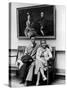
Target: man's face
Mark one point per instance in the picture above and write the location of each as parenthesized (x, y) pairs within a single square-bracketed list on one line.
[(33, 40), (43, 43)]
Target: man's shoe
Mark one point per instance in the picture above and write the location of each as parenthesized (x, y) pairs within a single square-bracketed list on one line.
[(21, 82)]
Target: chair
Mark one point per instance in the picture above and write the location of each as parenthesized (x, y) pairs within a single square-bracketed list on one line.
[(20, 50), (51, 67), (50, 71), (50, 64)]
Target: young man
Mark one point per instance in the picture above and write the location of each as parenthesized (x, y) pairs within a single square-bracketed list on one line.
[(43, 54), (35, 46), (26, 60)]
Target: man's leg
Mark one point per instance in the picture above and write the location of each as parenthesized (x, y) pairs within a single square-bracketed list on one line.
[(30, 73), (38, 78)]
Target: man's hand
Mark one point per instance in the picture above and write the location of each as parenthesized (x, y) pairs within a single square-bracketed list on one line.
[(19, 63)]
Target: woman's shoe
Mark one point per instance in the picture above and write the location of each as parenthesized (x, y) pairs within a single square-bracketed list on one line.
[(44, 78)]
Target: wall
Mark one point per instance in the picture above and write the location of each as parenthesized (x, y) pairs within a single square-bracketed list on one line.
[(59, 43)]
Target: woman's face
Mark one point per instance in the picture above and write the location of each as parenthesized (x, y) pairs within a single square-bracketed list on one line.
[(43, 43)]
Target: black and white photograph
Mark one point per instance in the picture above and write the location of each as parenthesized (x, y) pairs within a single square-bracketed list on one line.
[(36, 44)]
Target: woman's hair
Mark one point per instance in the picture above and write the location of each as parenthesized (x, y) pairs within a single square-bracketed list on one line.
[(42, 40)]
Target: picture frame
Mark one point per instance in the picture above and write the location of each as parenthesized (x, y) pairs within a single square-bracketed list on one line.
[(42, 17)]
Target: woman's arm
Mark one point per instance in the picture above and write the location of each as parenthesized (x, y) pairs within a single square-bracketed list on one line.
[(49, 54), (38, 55)]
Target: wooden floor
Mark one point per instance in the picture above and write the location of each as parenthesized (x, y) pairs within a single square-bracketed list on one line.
[(16, 82)]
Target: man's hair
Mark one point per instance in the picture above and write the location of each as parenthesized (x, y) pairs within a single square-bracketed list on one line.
[(32, 36)]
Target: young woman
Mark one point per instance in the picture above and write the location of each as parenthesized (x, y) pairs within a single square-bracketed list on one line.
[(43, 54)]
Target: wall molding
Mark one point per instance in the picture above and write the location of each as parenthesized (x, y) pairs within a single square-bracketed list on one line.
[(56, 50), (60, 71), (15, 50), (59, 51)]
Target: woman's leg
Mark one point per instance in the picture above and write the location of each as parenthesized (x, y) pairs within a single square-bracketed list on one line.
[(42, 72)]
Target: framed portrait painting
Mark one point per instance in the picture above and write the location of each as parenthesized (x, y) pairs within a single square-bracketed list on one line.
[(37, 20)]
